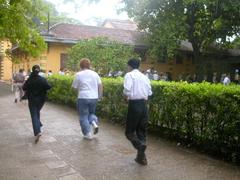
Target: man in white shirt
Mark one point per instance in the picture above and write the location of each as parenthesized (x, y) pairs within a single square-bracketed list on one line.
[(137, 89), (89, 86)]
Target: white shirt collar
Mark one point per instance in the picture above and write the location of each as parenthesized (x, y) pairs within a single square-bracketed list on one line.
[(134, 70)]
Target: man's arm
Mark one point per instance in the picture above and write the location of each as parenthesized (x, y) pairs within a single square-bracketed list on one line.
[(75, 83), (127, 85), (149, 88), (25, 85), (100, 91)]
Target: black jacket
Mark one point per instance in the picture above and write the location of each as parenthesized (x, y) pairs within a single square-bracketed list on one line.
[(36, 86)]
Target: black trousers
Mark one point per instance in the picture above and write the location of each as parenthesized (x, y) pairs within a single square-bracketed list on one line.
[(136, 124)]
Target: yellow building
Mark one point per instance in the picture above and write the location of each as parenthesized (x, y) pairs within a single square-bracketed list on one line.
[(52, 59), (63, 36), (5, 62)]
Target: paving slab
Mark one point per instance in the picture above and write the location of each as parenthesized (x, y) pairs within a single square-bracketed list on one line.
[(63, 154)]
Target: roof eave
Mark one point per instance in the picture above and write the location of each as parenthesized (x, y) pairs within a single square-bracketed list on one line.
[(61, 40)]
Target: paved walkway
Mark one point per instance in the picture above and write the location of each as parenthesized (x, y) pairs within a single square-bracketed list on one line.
[(63, 154)]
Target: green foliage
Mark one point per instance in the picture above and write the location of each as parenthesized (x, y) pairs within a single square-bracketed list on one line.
[(17, 24), (62, 91), (105, 55), (236, 43), (202, 114), (201, 22)]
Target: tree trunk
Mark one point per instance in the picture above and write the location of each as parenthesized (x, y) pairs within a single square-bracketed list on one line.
[(196, 44), (199, 64)]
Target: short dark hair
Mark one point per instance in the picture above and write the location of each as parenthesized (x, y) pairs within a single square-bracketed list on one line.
[(134, 63), (36, 69)]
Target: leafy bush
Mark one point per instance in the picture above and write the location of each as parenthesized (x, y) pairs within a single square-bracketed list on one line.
[(205, 115), (103, 52), (62, 91)]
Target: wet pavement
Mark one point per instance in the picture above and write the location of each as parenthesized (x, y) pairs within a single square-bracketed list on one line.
[(63, 154)]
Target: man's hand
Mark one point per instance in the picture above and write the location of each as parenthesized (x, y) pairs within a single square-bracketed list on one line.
[(125, 98)]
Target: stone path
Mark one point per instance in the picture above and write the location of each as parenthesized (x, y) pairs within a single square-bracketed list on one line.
[(63, 154)]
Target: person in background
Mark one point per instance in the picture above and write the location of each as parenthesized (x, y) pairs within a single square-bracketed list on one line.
[(205, 78), (226, 80), (169, 76), (36, 88), (24, 73), (162, 77), (148, 73), (188, 78), (28, 74), (222, 77), (137, 89), (155, 76), (194, 78), (18, 80), (61, 72), (50, 73), (42, 73), (165, 77), (89, 86), (110, 74), (236, 77), (214, 78), (66, 72)]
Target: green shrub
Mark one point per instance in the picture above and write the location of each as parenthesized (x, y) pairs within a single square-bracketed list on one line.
[(202, 114), (61, 91)]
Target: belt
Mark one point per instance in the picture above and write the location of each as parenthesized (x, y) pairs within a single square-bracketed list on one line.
[(137, 100)]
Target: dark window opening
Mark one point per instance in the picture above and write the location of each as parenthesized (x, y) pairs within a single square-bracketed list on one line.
[(179, 59)]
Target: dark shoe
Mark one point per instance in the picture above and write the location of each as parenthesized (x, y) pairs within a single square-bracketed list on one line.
[(141, 160), (15, 101), (95, 127), (37, 137), (95, 130)]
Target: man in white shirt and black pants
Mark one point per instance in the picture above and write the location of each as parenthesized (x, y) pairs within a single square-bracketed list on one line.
[(137, 89)]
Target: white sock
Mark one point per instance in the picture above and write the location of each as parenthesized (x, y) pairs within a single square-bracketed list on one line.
[(94, 124)]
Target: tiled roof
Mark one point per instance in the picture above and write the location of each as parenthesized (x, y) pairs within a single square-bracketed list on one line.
[(70, 33), (78, 32), (121, 24)]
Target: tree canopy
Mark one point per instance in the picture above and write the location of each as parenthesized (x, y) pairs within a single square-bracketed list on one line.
[(201, 22), (105, 55), (22, 20), (17, 24)]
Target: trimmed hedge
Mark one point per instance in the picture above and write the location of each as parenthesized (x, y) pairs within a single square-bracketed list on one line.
[(201, 114)]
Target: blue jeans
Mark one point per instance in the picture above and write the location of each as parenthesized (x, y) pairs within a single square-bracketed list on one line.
[(86, 109), (35, 105)]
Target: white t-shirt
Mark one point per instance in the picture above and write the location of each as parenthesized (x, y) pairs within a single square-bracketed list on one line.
[(136, 85), (226, 81), (87, 82)]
